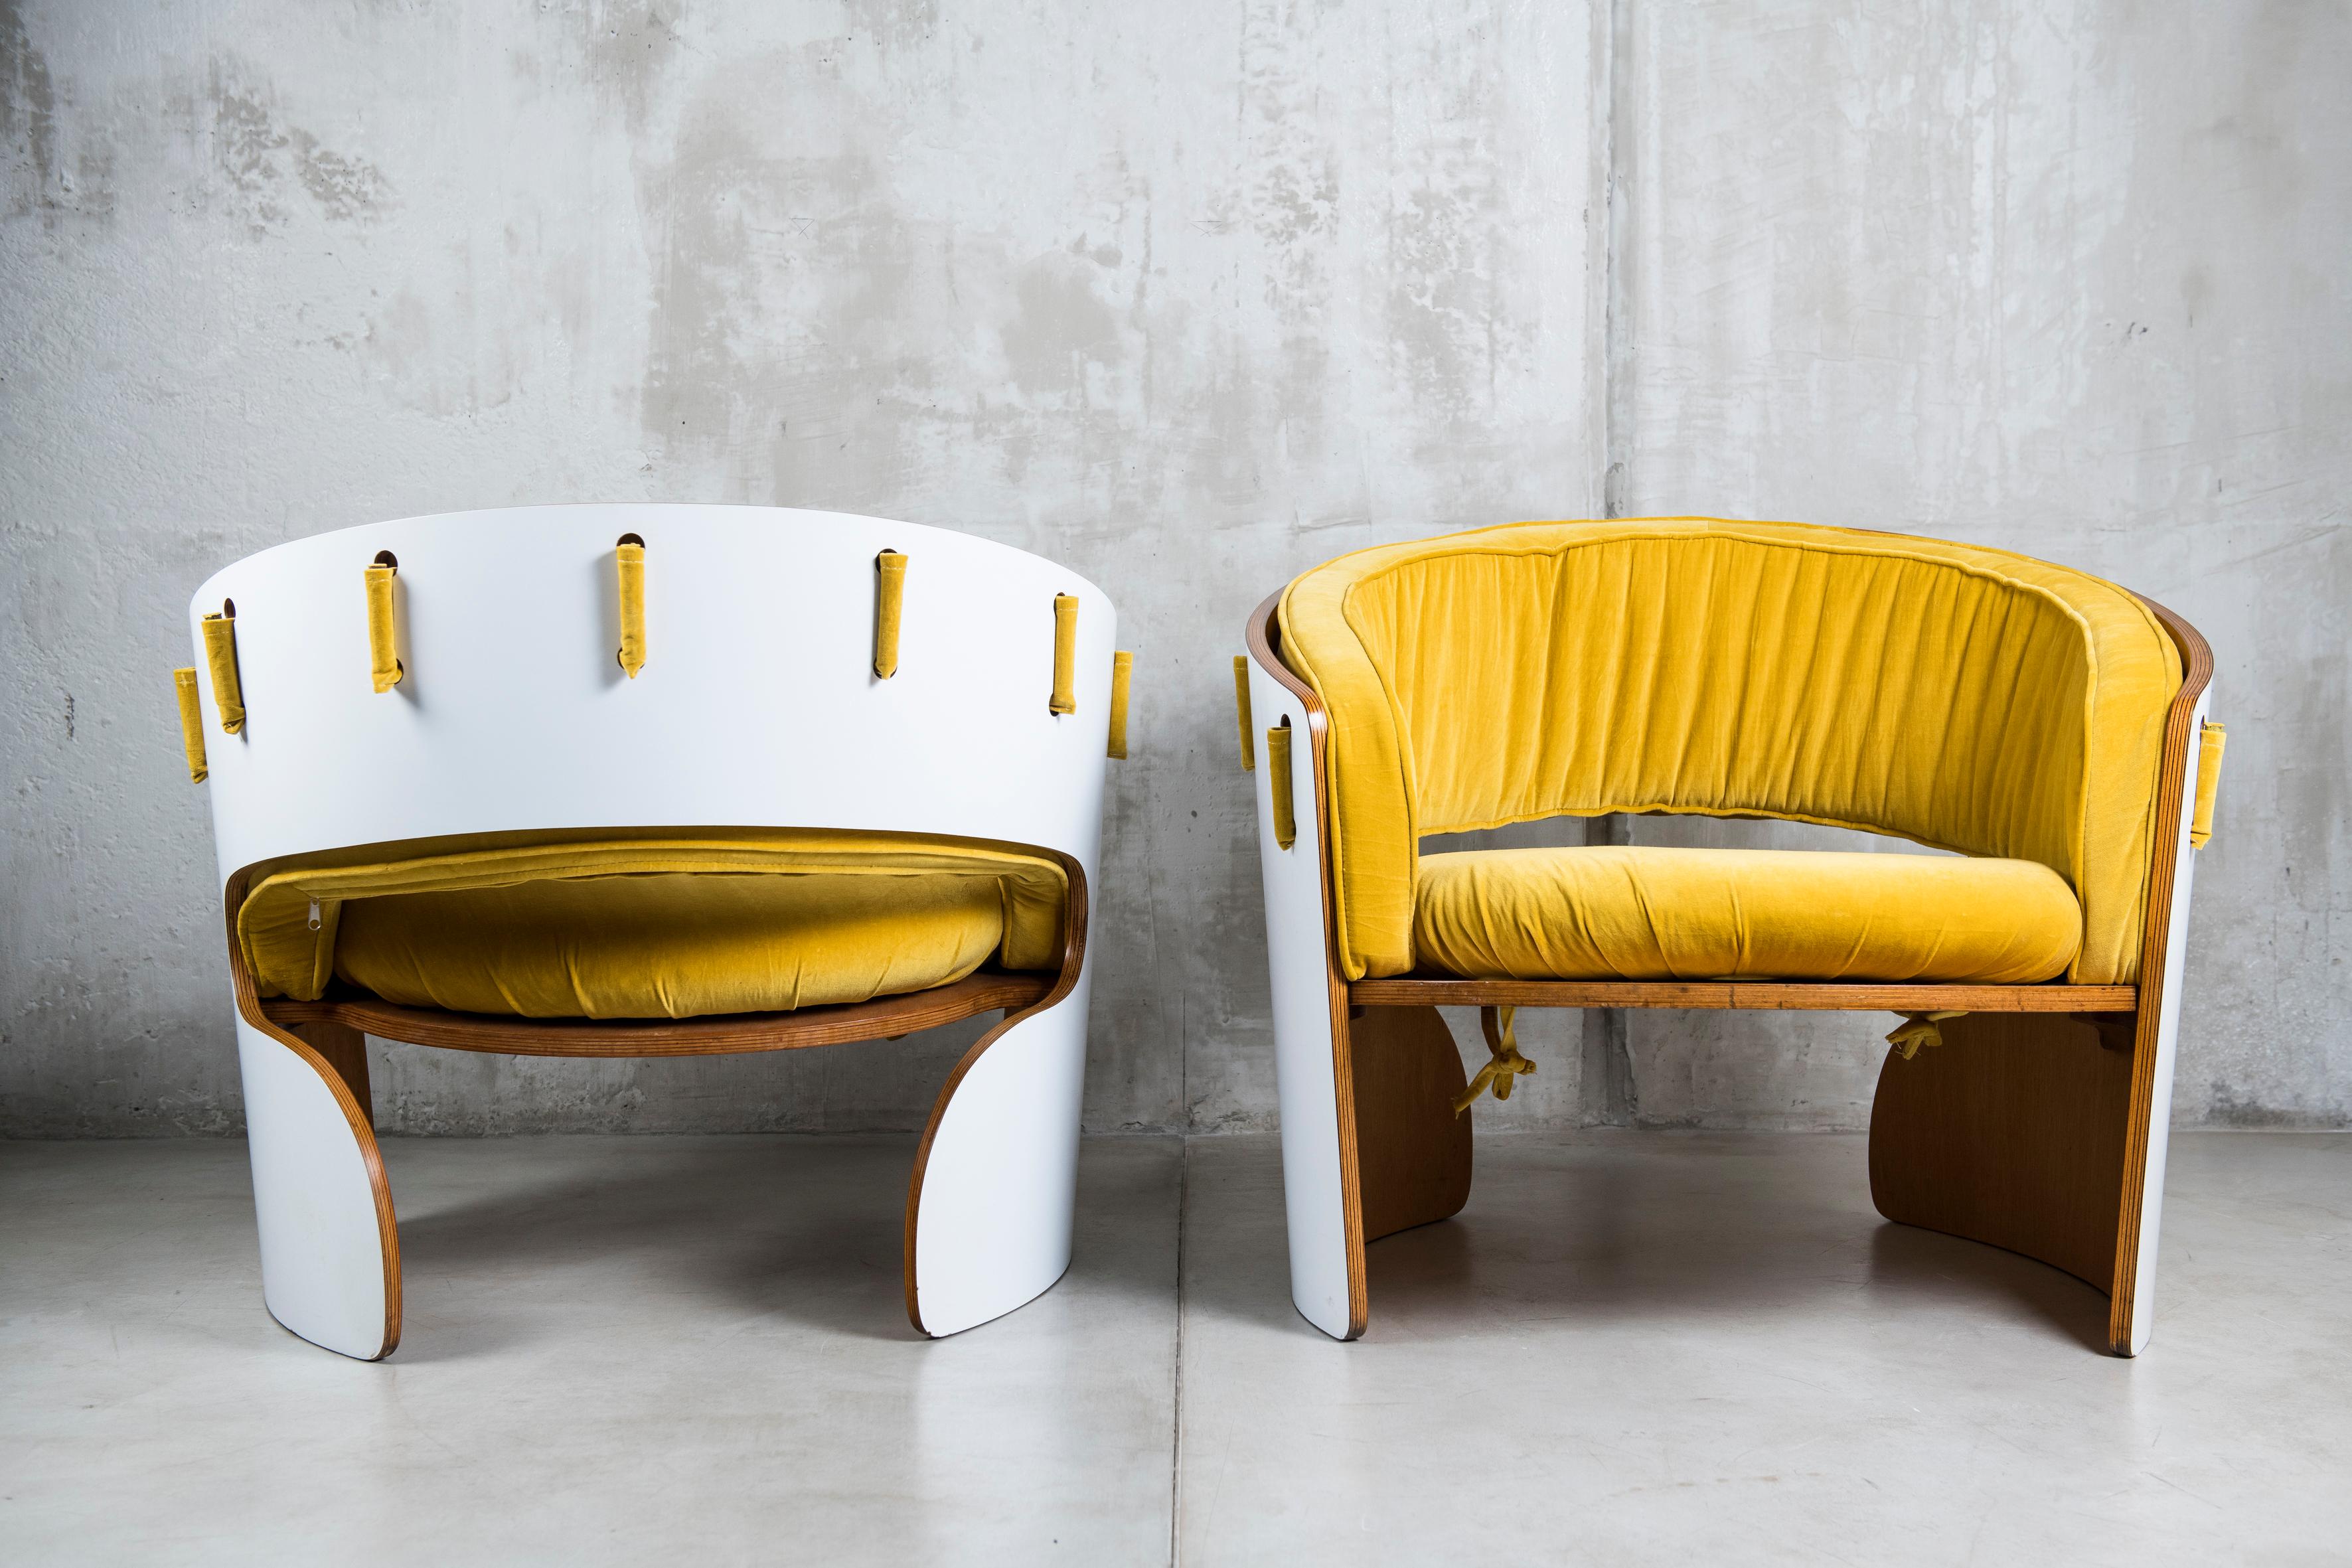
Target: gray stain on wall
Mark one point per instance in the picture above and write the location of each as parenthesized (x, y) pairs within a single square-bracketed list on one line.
[(1063, 331), (631, 45), (260, 158), (28, 112)]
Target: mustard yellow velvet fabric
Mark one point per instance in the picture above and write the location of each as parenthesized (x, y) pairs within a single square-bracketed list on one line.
[(674, 945), (1965, 697), (384, 660), (1065, 655), (674, 924), (220, 653), (1640, 913), (2209, 745), (629, 574), (1242, 712), (192, 724), (1122, 676), (889, 606)]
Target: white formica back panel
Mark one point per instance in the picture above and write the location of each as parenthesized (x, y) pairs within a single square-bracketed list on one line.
[(757, 707), (1306, 1076)]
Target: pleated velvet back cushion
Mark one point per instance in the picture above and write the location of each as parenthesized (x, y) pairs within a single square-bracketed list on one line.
[(1965, 697)]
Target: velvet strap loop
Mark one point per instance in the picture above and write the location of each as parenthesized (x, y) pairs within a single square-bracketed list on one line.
[(1242, 712), (889, 587), (192, 724), (1920, 1029), (385, 668), (629, 563), (2209, 779), (1122, 665), (220, 653), (1065, 655), (1277, 781), (1505, 1064)]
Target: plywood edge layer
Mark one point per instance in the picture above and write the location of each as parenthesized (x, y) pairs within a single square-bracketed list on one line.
[(1766, 996), (885, 1017)]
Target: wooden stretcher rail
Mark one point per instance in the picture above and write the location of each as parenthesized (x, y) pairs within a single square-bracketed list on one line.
[(886, 1017), (1432, 992)]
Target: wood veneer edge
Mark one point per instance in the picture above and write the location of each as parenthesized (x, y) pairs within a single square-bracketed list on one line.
[(720, 1034), (2156, 940), (1419, 991)]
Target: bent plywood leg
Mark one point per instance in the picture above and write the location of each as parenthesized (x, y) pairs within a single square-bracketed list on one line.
[(345, 1049), (1413, 1149), (989, 1208), (2011, 1133), (330, 1251)]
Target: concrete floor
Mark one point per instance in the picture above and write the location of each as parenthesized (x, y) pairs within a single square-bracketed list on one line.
[(1631, 1348)]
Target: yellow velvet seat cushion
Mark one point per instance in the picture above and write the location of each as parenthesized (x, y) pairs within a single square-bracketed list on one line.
[(654, 925), (1640, 913)]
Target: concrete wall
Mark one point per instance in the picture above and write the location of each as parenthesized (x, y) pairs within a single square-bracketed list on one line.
[(1189, 297)]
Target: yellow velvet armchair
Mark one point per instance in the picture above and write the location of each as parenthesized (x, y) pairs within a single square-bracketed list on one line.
[(2044, 725)]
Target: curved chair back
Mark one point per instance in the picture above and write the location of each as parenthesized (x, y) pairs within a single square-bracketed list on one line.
[(1964, 698), (757, 704)]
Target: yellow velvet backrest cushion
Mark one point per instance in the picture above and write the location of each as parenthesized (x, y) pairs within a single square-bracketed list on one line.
[(1965, 697)]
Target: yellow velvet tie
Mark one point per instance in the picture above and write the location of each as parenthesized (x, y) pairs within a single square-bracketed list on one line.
[(385, 668), (1277, 784), (2209, 779), (1242, 707), (1506, 1065), (890, 587), (629, 563), (220, 652), (192, 724), (1122, 666), (1065, 655), (1920, 1029)]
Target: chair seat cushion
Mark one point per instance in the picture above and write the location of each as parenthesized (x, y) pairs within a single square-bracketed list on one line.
[(1638, 912), (597, 927)]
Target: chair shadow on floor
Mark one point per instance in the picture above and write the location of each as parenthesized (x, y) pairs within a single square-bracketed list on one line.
[(810, 1229), (1757, 1251), (1973, 1276), (1660, 1227)]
